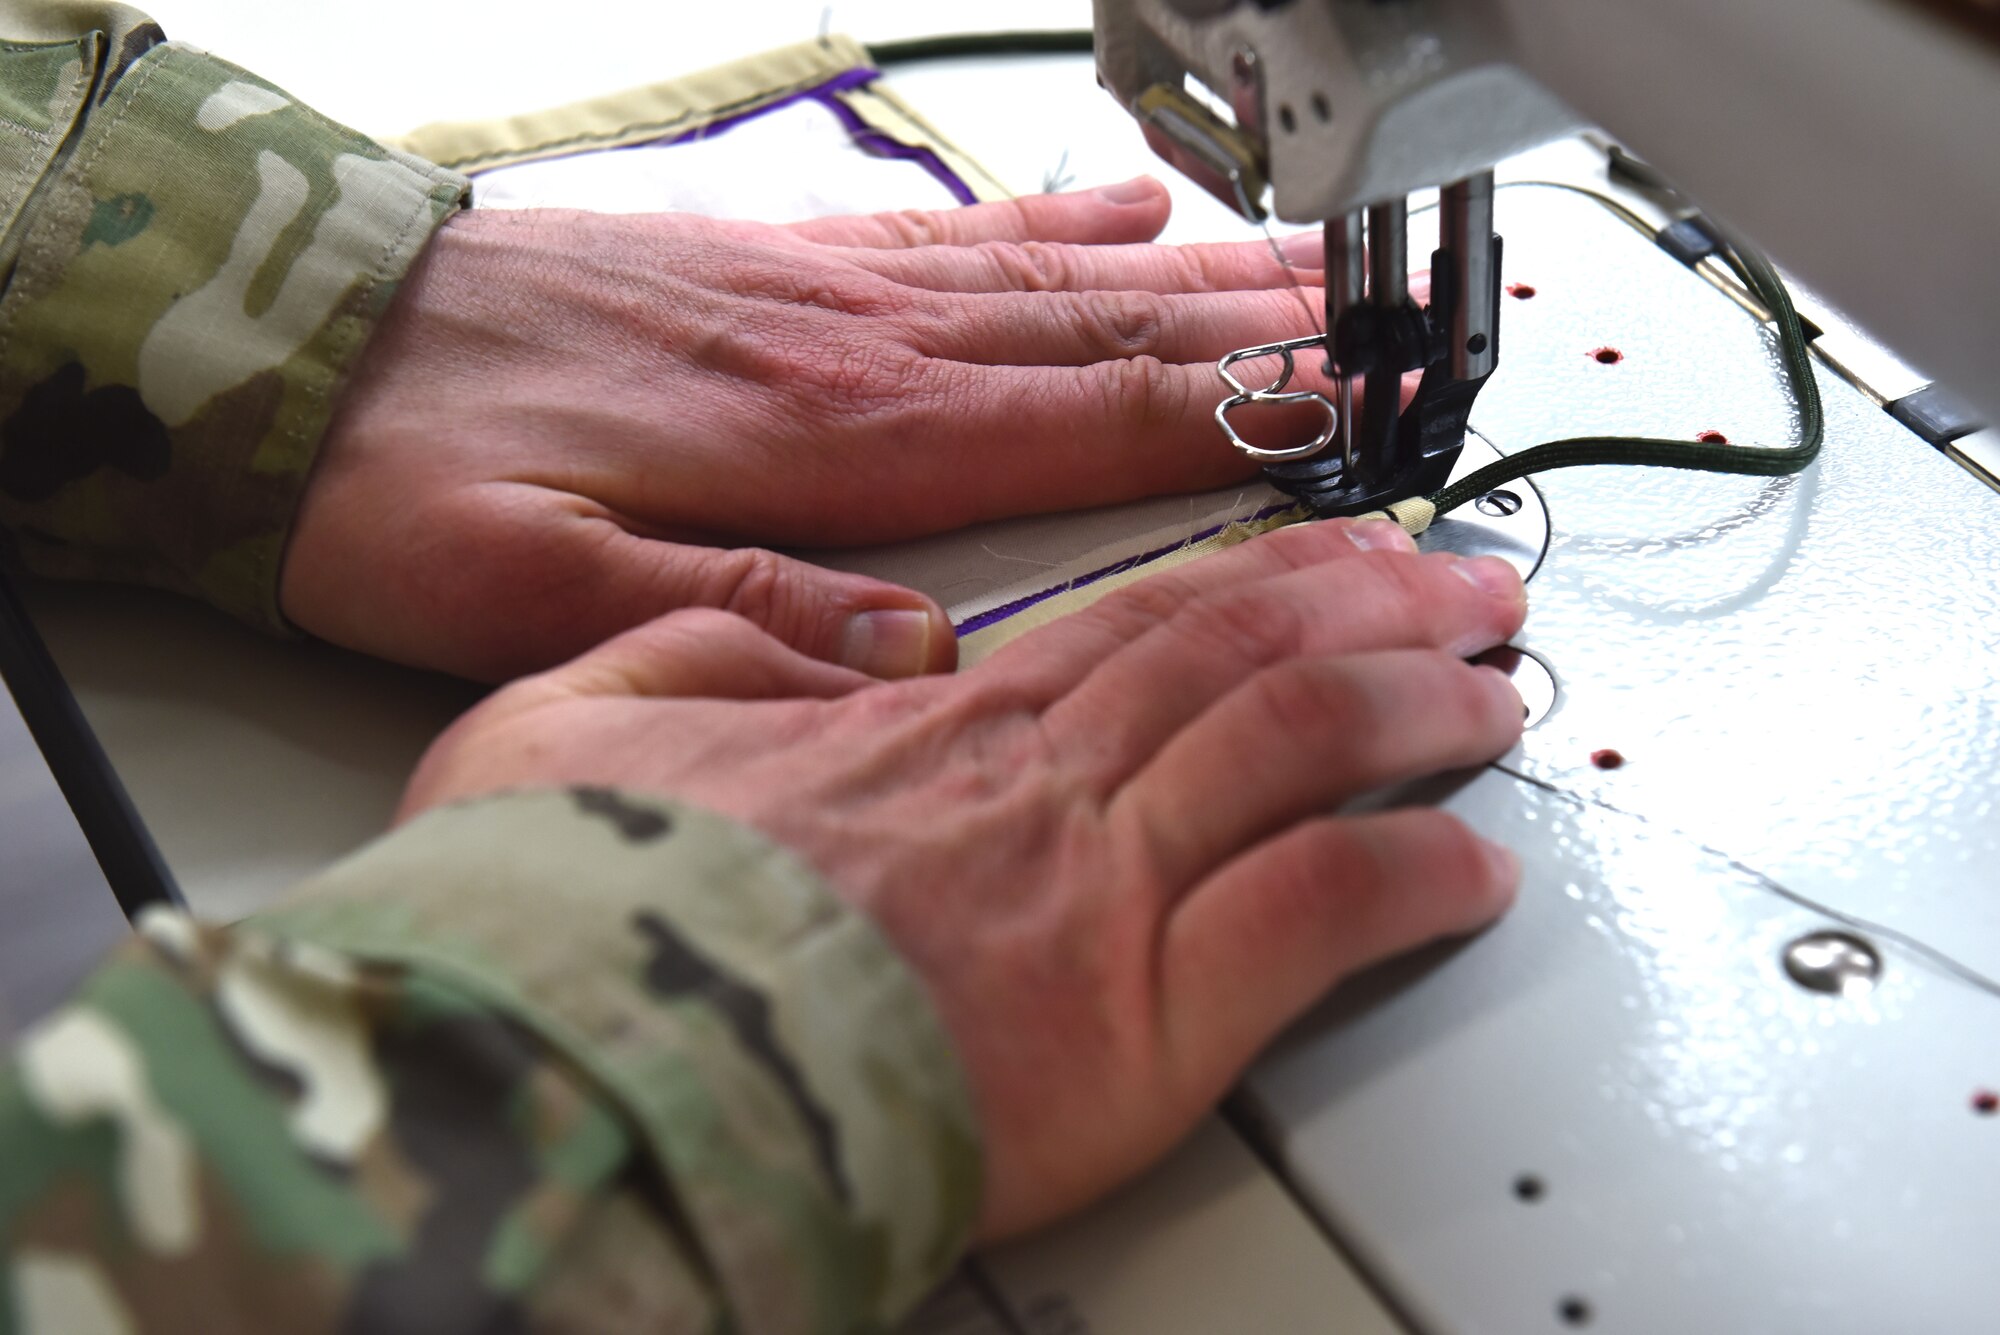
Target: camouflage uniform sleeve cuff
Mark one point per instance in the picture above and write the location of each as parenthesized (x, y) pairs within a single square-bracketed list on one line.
[(801, 1105), (193, 282)]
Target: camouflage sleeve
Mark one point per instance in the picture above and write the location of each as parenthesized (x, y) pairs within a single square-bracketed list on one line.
[(191, 261), (560, 1061)]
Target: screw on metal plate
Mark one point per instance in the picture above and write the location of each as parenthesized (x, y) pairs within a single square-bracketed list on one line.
[(1837, 963), (1246, 90), (1531, 677), (1499, 504)]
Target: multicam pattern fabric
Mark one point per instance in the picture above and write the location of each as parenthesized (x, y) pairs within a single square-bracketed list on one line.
[(194, 261), (461, 1083)]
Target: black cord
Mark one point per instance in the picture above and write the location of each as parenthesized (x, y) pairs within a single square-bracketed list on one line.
[(118, 839), (954, 46)]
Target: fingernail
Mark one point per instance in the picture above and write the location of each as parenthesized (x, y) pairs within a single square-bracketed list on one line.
[(1138, 190), (1380, 535), (1502, 865), (1305, 249), (893, 642), (1491, 576)]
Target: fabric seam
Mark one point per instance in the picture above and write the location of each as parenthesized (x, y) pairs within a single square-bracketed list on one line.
[(469, 164), (35, 246)]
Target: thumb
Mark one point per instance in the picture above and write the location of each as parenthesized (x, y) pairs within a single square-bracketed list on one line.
[(866, 624)]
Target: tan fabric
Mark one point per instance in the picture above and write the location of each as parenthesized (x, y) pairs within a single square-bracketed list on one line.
[(987, 640), (879, 105), (1414, 515), (677, 106)]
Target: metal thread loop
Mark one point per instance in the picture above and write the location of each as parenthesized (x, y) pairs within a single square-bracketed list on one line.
[(1274, 393)]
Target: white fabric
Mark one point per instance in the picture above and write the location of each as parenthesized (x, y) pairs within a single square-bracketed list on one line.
[(795, 162)]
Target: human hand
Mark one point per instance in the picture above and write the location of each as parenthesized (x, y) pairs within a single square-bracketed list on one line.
[(565, 417), (1109, 850)]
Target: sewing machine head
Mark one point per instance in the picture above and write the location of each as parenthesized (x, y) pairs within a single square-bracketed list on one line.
[(1874, 115), (1338, 109), (1336, 104)]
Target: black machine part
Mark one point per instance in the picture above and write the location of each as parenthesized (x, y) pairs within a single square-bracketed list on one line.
[(1392, 455)]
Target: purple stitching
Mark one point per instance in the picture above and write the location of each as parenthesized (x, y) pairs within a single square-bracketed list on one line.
[(870, 141), (881, 145), (997, 614), (839, 83)]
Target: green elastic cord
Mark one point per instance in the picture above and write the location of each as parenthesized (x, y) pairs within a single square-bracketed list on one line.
[(1769, 290)]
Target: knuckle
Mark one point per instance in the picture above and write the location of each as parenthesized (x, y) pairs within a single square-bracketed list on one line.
[(1032, 266), (1199, 271), (1143, 391), (743, 354), (1123, 324), (752, 583), (915, 227)]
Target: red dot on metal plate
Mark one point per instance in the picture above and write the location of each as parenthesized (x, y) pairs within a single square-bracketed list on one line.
[(1986, 1103), (1609, 356), (1521, 291), (1712, 438), (1607, 758)]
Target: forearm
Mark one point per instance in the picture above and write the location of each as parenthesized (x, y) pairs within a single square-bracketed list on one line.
[(571, 1058), (193, 263)]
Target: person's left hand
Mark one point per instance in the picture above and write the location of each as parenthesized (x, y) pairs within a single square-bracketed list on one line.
[(570, 423), (1115, 852)]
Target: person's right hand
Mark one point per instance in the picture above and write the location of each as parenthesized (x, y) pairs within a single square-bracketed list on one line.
[(1111, 851), (570, 423)]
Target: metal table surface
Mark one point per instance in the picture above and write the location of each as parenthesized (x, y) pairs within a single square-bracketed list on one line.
[(1799, 674)]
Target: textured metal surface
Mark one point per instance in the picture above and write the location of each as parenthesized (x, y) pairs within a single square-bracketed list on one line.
[(1717, 1149), (1800, 670), (1799, 675)]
